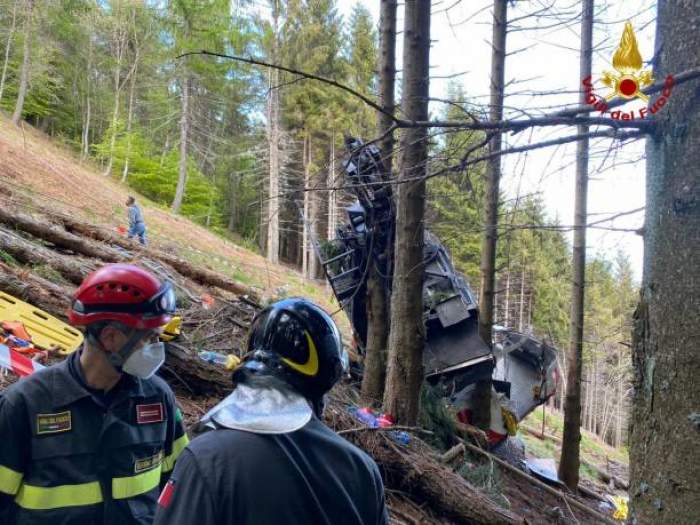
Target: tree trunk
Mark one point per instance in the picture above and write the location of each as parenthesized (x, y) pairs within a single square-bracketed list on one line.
[(522, 299), (184, 130), (377, 287), (233, 196), (212, 193), (73, 269), (314, 219), (85, 147), (130, 116), (58, 236), (569, 462), (115, 111), (407, 332), (387, 77), (584, 407), (306, 156), (8, 47), (618, 407), (332, 194), (408, 472), (665, 430), (273, 121), (26, 60), (166, 147), (77, 237), (40, 292), (596, 417), (85, 135), (482, 391), (506, 307)]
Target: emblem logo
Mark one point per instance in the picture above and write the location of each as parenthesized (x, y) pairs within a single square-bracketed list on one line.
[(628, 78), (627, 82)]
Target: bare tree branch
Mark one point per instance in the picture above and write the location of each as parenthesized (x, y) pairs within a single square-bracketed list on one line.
[(566, 117), (310, 76)]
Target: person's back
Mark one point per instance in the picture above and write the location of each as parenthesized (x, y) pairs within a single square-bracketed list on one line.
[(308, 476), (266, 457)]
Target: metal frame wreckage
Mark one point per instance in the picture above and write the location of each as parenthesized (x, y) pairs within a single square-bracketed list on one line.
[(523, 370)]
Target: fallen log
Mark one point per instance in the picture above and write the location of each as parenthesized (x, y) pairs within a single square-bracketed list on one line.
[(538, 434), (452, 454), (53, 298), (181, 364), (412, 471), (589, 493), (58, 236), (571, 501), (200, 275), (197, 376), (470, 431), (27, 252), (607, 477)]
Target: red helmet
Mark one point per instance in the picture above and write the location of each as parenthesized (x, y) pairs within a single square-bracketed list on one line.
[(124, 293)]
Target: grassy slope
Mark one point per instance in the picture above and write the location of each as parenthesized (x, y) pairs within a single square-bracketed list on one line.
[(593, 449), (34, 167)]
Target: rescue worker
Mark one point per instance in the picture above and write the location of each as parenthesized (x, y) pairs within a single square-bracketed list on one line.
[(92, 440), (266, 457), (137, 226)]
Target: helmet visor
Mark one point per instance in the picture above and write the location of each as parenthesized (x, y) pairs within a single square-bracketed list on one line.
[(164, 302)]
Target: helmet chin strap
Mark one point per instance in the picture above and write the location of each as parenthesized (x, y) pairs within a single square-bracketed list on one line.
[(118, 358)]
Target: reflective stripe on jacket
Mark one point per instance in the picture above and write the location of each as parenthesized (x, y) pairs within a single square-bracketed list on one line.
[(70, 455)]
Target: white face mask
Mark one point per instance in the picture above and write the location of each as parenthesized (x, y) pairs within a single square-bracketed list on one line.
[(144, 362)]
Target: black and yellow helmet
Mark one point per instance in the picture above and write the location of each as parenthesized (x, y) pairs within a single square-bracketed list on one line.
[(300, 342)]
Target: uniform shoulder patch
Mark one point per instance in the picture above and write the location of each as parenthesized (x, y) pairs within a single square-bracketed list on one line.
[(53, 423), (151, 413)]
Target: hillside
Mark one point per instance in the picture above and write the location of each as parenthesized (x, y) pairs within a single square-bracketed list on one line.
[(37, 176), (59, 218)]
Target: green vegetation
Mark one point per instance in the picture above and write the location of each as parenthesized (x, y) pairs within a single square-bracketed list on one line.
[(436, 417), (105, 80), (8, 259), (487, 477), (48, 273)]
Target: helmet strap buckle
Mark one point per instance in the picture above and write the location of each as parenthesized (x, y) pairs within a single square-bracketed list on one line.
[(118, 358)]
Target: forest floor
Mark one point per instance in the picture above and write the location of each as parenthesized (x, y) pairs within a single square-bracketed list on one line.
[(47, 182)]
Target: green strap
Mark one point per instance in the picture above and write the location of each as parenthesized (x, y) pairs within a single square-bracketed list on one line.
[(46, 498), (131, 486), (178, 446), (10, 480)]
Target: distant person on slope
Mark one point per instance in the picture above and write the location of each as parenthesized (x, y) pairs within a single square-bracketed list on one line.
[(267, 458), (136, 224)]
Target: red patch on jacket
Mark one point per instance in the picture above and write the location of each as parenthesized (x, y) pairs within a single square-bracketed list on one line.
[(149, 413), (167, 495)]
